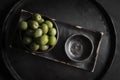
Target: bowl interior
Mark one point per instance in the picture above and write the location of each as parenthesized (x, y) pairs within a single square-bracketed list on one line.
[(78, 47)]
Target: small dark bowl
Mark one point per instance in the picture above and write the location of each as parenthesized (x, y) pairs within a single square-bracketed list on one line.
[(79, 47), (51, 47)]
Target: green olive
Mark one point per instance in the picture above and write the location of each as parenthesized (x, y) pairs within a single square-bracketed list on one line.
[(34, 24), (29, 32), (27, 40), (52, 40), (34, 46), (44, 28), (37, 17), (41, 21), (52, 31), (49, 23), (23, 25), (38, 33), (43, 40), (44, 47)]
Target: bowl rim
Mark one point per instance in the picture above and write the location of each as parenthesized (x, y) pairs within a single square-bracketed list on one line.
[(67, 52)]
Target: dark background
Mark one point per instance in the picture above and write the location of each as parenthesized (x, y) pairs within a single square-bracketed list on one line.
[(111, 6)]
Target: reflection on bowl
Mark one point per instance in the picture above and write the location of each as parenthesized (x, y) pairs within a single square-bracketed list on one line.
[(79, 47)]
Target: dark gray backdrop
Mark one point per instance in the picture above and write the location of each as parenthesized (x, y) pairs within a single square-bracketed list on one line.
[(111, 6)]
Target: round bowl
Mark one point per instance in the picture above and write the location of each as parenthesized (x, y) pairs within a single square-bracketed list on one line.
[(51, 47), (79, 47)]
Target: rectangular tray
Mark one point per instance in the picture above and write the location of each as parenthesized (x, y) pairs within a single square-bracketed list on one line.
[(58, 54)]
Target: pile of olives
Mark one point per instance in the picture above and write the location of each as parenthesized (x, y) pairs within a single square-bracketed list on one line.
[(38, 33)]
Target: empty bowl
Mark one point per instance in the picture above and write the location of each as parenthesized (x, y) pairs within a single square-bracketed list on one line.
[(79, 47)]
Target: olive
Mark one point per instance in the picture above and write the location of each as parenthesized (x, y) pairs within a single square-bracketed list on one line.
[(44, 28), (34, 24), (38, 33), (29, 32), (44, 47), (49, 23), (52, 31), (34, 46), (27, 40), (37, 17), (43, 40), (52, 40), (23, 25), (41, 21)]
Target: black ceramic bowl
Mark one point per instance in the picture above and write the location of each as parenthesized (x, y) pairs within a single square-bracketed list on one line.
[(79, 47), (40, 51)]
